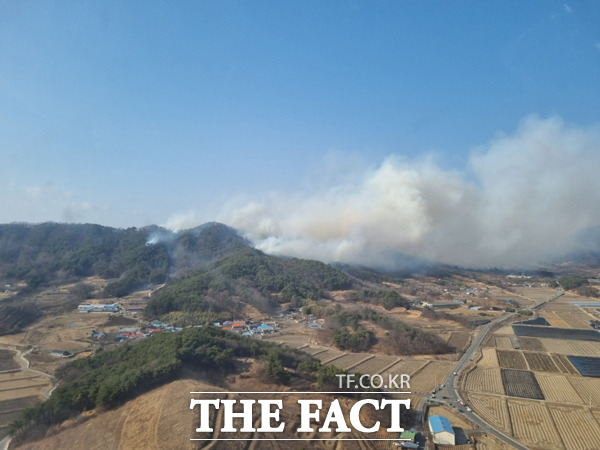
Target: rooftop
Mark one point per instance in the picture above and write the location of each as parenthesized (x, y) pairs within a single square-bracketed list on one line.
[(439, 424)]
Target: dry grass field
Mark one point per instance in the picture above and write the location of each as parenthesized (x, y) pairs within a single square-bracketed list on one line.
[(588, 389), (533, 425), (489, 358), (557, 388), (492, 409), (511, 359), (7, 360), (578, 427), (531, 343), (571, 347), (328, 355), (503, 342), (430, 376), (554, 319), (409, 366), (460, 340), (484, 380), (541, 362), (350, 360), (376, 365)]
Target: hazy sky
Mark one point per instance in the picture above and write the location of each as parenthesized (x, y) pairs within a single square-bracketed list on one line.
[(140, 112)]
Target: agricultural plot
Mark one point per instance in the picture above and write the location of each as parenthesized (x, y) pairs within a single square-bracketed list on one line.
[(488, 358), (293, 340), (484, 380), (532, 424), (556, 333), (7, 361), (350, 360), (489, 341), (541, 362), (555, 320), (588, 389), (328, 355), (511, 359), (537, 321), (376, 364), (11, 410), (530, 343), (564, 365), (577, 426), (312, 350), (521, 383), (430, 376), (459, 340), (492, 409), (556, 388), (586, 365), (503, 342), (568, 347), (409, 366)]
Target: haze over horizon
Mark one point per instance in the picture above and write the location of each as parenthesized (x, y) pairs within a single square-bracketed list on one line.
[(341, 131)]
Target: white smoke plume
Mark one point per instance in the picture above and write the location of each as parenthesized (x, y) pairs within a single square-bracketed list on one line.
[(520, 199)]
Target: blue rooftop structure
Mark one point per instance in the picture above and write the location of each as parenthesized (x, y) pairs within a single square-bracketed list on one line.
[(439, 424)]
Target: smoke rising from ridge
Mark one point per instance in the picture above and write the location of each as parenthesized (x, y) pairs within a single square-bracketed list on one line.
[(521, 199)]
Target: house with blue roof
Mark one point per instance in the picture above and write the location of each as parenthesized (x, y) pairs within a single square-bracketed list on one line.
[(441, 430)]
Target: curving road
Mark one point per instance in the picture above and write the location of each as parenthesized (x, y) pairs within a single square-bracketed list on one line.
[(450, 390)]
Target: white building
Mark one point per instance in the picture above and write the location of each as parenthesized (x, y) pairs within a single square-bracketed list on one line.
[(441, 430)]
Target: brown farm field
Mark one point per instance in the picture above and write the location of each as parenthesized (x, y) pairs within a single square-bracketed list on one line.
[(578, 427), (533, 425), (557, 388), (430, 376), (492, 409), (503, 342), (489, 358), (484, 380), (571, 347), (541, 362), (511, 359), (521, 383)]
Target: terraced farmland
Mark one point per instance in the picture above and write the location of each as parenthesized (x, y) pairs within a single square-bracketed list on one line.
[(577, 426), (488, 358), (350, 360), (532, 424), (430, 376), (572, 347), (376, 364), (511, 359), (531, 343), (492, 409), (557, 388), (541, 362), (7, 361), (564, 365), (521, 383), (328, 355), (409, 366), (503, 342), (484, 380), (588, 389)]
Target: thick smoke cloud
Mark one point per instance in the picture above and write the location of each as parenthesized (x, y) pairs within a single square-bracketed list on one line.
[(520, 199)]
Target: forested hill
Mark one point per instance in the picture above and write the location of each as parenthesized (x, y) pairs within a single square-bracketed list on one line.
[(246, 276), (60, 253)]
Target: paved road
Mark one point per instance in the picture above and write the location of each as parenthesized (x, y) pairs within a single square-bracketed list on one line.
[(4, 443), (449, 390)]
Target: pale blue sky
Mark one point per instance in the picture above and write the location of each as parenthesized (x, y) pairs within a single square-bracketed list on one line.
[(128, 113)]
